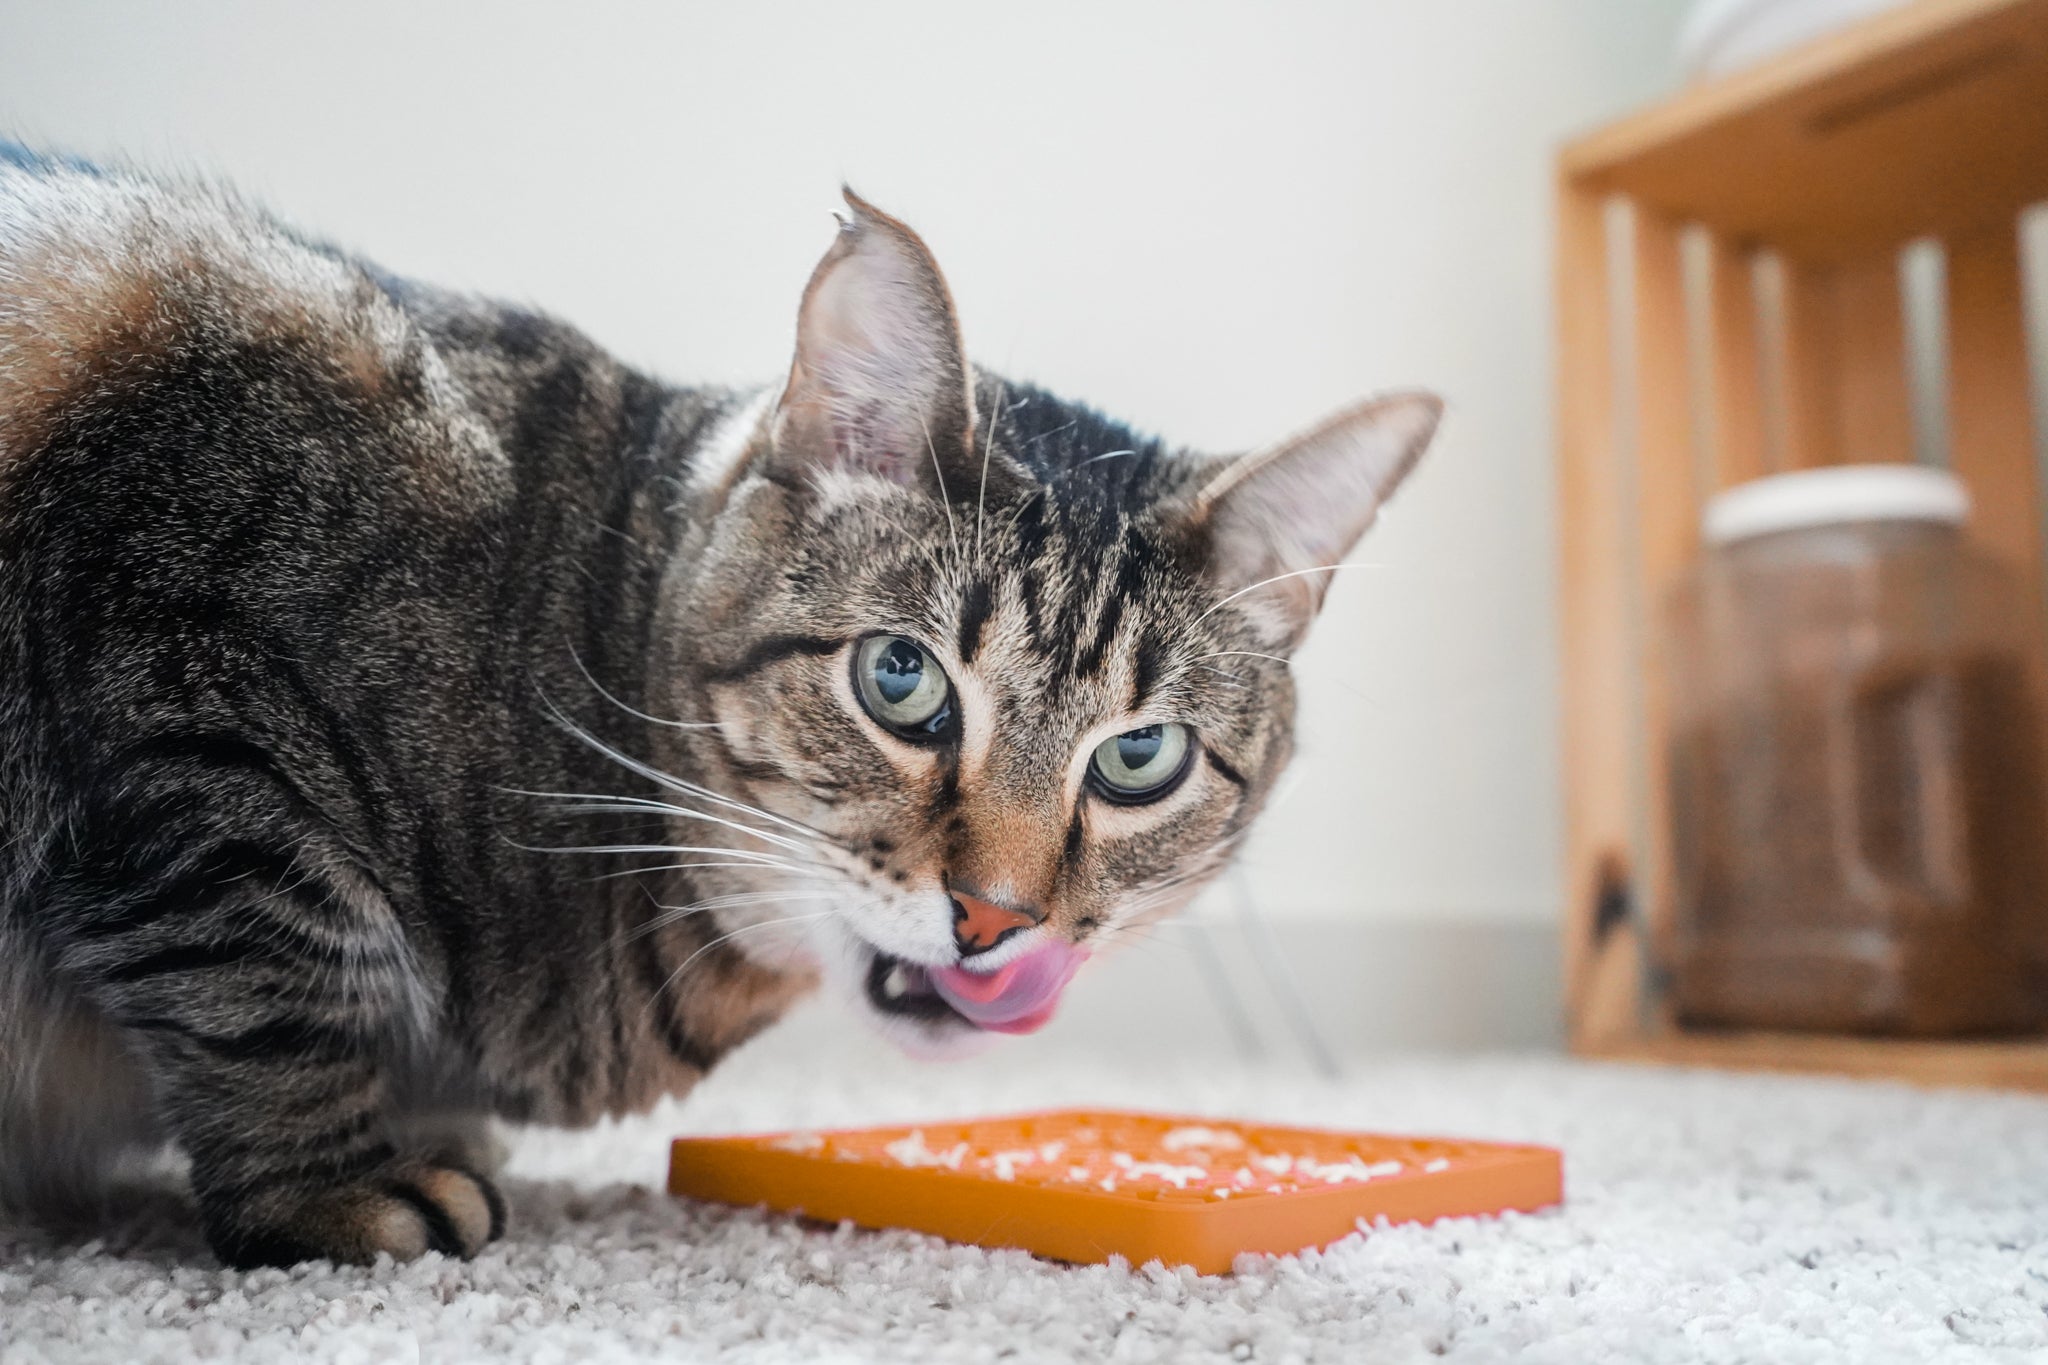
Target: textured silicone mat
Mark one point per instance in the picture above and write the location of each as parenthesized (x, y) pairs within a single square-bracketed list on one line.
[(1077, 1185)]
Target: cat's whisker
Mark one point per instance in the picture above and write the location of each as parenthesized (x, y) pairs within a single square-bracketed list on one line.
[(691, 866), (666, 915), (1106, 455), (676, 914), (1136, 936), (1024, 505), (737, 898), (604, 803), (709, 905), (603, 528), (987, 449), (791, 858), (727, 937), (677, 784), (1283, 792), (1247, 654), (678, 812), (1147, 926), (945, 498), (642, 803), (591, 803), (1293, 573), (1233, 679), (600, 803), (1164, 891), (747, 855), (635, 712), (1042, 437)]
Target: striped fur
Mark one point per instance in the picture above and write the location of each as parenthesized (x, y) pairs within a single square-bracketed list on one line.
[(409, 714)]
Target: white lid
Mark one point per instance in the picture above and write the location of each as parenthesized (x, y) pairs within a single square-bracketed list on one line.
[(1720, 35), (1835, 494)]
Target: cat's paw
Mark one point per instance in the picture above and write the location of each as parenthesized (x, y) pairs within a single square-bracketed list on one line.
[(404, 1214)]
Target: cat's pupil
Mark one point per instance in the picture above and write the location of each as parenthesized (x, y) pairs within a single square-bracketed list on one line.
[(1136, 748), (899, 671)]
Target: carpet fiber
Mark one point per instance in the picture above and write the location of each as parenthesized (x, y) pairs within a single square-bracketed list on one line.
[(1710, 1218)]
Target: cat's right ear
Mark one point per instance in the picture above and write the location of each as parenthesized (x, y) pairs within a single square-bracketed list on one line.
[(1280, 520), (880, 384)]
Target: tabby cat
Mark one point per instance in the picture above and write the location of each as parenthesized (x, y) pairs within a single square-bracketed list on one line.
[(409, 714)]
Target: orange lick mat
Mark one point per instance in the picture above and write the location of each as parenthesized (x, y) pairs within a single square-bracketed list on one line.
[(1078, 1185)]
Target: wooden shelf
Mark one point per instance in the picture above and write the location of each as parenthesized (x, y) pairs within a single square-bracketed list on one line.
[(1729, 305), (1928, 120), (2005, 1064)]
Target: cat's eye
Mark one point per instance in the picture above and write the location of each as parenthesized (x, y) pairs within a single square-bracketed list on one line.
[(902, 687), (1142, 764)]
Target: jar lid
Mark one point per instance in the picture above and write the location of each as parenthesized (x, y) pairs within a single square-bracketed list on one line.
[(1834, 494)]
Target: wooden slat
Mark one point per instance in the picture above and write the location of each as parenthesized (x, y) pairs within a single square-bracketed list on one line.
[(1928, 120), (1594, 627), (1847, 399), (1810, 375), (1876, 388), (1991, 421), (2020, 1064), (1593, 623), (1736, 415), (1664, 464)]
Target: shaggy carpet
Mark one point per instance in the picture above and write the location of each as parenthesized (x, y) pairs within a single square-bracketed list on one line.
[(1709, 1217)]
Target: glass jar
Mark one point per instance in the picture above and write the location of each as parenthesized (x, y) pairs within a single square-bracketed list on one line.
[(1859, 819)]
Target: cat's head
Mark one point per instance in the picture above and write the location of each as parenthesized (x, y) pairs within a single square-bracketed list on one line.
[(1011, 678)]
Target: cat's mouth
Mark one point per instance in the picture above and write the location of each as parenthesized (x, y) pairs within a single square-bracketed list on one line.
[(1017, 997), (903, 990)]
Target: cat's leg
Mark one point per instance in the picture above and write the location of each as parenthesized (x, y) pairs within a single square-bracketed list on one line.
[(73, 1104), (269, 993)]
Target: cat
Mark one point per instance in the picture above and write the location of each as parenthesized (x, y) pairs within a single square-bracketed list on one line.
[(411, 715)]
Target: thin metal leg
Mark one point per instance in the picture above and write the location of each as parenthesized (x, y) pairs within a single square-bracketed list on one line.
[(1250, 1046), (1280, 977)]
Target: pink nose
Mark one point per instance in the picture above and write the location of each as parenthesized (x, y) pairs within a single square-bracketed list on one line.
[(979, 925)]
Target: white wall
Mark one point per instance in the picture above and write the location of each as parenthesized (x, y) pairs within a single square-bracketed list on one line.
[(1214, 220)]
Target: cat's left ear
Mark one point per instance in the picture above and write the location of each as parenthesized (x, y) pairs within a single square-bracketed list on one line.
[(880, 383), (1280, 519)]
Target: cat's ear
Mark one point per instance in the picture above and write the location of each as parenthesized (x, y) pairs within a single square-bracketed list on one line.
[(880, 384), (1279, 519)]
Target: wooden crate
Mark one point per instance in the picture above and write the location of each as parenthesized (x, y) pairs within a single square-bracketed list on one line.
[(1729, 302)]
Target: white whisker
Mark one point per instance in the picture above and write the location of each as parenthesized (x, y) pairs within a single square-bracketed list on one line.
[(727, 937), (597, 803), (755, 859), (599, 688), (679, 867), (1247, 654), (1106, 455), (1296, 573), (987, 449), (676, 914), (614, 808), (677, 784), (1233, 679), (648, 804), (945, 499)]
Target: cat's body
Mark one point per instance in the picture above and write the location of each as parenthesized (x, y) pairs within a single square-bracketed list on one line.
[(310, 580)]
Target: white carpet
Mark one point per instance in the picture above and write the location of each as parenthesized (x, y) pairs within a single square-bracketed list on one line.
[(1710, 1217)]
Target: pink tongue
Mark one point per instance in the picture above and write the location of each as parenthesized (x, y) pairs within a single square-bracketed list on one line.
[(1017, 997)]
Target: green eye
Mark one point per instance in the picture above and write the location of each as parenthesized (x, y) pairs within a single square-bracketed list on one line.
[(1141, 765), (902, 686)]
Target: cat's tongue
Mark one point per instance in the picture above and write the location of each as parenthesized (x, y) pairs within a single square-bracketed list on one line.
[(1017, 997)]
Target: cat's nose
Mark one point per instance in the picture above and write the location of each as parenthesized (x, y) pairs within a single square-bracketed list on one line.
[(980, 925)]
